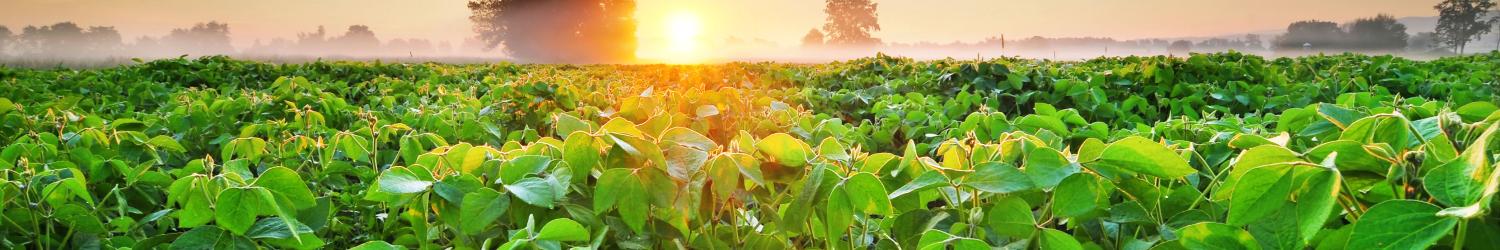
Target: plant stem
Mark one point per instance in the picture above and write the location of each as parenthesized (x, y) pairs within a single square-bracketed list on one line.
[(1463, 230)]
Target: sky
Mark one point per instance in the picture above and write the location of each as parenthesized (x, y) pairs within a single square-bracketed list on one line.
[(777, 22)]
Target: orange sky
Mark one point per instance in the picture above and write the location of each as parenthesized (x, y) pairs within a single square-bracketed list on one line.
[(782, 22)]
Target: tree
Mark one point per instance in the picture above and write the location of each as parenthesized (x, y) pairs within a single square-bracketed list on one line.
[(1180, 47), (1461, 21), (5, 39), (211, 38), (357, 39), (557, 31), (813, 38), (1381, 32), (1312, 34), (67, 40), (850, 22), (1422, 42)]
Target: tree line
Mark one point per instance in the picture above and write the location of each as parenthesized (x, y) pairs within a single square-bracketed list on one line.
[(71, 41)]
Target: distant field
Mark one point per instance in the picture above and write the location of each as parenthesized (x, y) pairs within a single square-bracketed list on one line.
[(1208, 151)]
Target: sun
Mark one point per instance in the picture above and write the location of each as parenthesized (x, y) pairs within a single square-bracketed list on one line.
[(682, 31)]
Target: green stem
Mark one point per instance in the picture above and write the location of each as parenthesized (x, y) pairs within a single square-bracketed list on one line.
[(1463, 230)]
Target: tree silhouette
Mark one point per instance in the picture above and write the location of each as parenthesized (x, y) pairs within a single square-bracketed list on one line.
[(1311, 34), (850, 22), (814, 38), (67, 40), (1180, 47), (1461, 21), (5, 39), (357, 39), (211, 38), (1381, 32), (557, 31)]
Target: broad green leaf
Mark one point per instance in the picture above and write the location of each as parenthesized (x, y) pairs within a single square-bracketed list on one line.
[(534, 191), (1011, 216), (209, 237), (1463, 181), (480, 209), (563, 229), (566, 125), (996, 177), (522, 166), (867, 194), (236, 208), (1079, 195), (377, 245), (1046, 167), (401, 180), (288, 187), (1141, 155), (785, 150), (1209, 235), (1259, 193), (1400, 224), (928, 180), (581, 154), (1054, 239)]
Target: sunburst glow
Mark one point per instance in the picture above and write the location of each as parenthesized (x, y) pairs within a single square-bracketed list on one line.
[(683, 29)]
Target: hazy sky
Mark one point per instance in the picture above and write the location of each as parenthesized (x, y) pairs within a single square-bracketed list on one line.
[(779, 21)]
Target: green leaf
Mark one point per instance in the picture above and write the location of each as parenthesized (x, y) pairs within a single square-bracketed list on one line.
[(287, 187), (1400, 224), (867, 194), (563, 229), (209, 237), (928, 180), (401, 180), (377, 245), (567, 125), (1463, 181), (167, 143), (831, 149), (1209, 235), (785, 150), (480, 209), (1141, 155), (534, 191), (1047, 167), (1079, 195), (686, 151), (522, 166), (1259, 193), (237, 207), (1316, 200), (620, 187), (1011, 216), (581, 155), (1054, 239), (997, 177)]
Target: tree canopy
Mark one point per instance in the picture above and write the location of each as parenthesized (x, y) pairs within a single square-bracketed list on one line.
[(1461, 21), (850, 22), (558, 31)]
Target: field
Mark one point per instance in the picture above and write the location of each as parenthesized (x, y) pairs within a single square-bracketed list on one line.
[(1212, 151)]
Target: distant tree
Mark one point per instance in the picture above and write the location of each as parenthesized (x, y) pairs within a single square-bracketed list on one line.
[(813, 38), (5, 39), (211, 38), (567, 31), (1180, 47), (1312, 33), (358, 39), (1381, 32), (850, 22), (1253, 41), (1461, 21), (67, 40), (1423, 42)]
